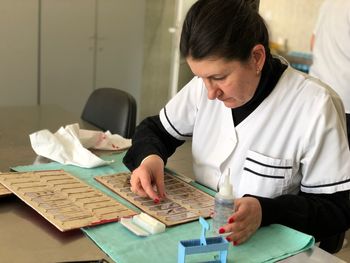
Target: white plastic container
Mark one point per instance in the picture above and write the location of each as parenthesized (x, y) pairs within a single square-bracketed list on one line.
[(224, 204), (143, 225)]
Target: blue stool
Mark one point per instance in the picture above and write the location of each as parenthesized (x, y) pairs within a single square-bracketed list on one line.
[(203, 245)]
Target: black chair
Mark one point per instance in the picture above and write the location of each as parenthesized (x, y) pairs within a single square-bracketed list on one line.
[(333, 244), (111, 109)]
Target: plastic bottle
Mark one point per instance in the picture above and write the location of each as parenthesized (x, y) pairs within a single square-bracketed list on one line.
[(224, 205)]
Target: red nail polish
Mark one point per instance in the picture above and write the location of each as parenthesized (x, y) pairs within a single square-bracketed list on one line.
[(228, 239), (156, 200), (221, 230), (230, 221), (235, 243)]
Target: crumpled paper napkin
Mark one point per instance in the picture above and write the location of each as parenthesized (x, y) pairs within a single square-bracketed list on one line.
[(70, 144)]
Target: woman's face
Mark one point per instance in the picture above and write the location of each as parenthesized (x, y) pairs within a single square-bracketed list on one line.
[(232, 82)]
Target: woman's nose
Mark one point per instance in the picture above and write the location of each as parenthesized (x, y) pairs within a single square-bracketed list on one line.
[(213, 91)]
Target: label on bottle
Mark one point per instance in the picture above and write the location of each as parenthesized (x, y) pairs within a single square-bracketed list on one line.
[(224, 208)]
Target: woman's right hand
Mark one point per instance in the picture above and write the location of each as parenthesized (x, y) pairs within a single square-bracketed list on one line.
[(149, 173)]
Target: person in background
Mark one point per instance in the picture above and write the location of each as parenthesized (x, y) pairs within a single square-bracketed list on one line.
[(330, 45), (280, 132)]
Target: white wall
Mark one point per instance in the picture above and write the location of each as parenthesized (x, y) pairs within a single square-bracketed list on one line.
[(293, 20), (144, 69), (120, 50), (159, 17)]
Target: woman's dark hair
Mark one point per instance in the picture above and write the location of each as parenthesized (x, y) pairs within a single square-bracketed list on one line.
[(227, 29)]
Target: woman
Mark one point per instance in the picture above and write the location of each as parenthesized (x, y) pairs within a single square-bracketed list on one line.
[(281, 133)]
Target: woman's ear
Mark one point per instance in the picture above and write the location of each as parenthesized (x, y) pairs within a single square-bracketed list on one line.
[(258, 56)]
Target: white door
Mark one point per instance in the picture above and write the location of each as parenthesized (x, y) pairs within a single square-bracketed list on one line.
[(180, 73), (18, 52)]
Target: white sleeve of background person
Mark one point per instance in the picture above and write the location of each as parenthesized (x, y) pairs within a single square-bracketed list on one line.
[(331, 52)]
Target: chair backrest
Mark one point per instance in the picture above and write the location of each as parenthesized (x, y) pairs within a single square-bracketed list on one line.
[(111, 109)]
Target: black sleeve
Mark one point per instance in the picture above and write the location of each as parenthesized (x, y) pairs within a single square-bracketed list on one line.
[(320, 215), (150, 138)]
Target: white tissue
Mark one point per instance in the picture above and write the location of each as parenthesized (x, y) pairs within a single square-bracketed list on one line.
[(70, 145)]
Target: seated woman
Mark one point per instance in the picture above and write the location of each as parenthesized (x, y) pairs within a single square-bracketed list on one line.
[(281, 133)]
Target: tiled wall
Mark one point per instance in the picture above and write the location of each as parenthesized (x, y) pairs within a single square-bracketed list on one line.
[(293, 20)]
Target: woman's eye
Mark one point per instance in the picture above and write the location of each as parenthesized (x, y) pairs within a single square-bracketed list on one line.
[(218, 78)]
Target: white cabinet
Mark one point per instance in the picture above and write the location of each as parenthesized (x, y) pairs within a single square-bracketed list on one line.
[(18, 52), (87, 44)]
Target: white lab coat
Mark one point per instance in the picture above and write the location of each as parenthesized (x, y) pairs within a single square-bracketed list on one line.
[(331, 52), (295, 139)]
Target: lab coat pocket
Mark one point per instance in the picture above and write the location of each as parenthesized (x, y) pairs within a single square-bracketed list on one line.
[(265, 176)]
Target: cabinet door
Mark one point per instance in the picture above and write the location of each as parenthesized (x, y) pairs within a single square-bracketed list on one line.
[(120, 42), (67, 52), (18, 52)]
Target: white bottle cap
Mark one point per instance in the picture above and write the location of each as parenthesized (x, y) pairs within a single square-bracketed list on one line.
[(226, 187)]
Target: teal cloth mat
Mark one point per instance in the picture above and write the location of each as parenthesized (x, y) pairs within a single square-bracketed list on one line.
[(268, 244)]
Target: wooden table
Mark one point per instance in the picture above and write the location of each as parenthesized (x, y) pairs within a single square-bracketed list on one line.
[(18, 122), (27, 237)]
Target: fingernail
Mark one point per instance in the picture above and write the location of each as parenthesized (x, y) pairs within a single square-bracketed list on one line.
[(230, 221), (235, 243), (221, 230), (228, 239), (156, 200)]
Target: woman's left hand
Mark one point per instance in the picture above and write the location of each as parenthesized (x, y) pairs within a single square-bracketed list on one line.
[(244, 221)]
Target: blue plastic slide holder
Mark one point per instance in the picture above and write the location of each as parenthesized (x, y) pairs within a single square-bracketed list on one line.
[(203, 245)]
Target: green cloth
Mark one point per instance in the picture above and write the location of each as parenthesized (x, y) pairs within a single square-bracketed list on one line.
[(268, 244)]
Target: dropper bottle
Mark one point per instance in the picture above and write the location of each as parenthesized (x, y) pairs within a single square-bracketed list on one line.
[(224, 204)]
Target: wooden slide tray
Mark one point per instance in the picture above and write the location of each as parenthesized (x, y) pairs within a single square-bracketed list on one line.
[(65, 201), (4, 190), (184, 202)]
